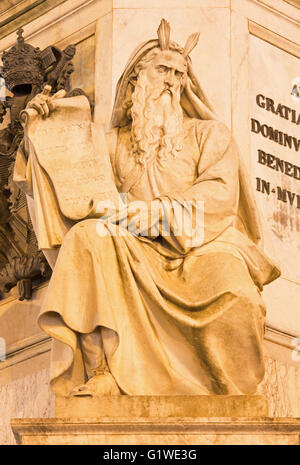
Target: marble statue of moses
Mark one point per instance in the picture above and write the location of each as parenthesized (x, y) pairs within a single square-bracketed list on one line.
[(153, 314)]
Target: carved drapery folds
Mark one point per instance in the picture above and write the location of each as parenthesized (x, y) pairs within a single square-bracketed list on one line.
[(25, 71)]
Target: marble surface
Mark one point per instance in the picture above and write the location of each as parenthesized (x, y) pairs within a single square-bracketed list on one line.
[(16, 13), (60, 22), (27, 397), (282, 219), (282, 381), (84, 66), (239, 47), (279, 314), (156, 431), (18, 320), (281, 386), (153, 4), (276, 15), (5, 4), (161, 406), (233, 54), (212, 70), (103, 70)]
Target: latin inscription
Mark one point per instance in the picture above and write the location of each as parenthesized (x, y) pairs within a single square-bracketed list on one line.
[(271, 160)]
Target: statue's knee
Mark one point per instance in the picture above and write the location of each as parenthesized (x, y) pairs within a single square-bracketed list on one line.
[(89, 232), (102, 230), (82, 229), (248, 297)]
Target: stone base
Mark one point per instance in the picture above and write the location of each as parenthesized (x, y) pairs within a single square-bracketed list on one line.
[(158, 431), (161, 406), (157, 420)]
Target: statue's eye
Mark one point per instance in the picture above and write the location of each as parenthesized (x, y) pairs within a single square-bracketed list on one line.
[(162, 69), (178, 74)]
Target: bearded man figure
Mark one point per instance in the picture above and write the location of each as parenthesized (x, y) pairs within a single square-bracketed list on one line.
[(154, 313)]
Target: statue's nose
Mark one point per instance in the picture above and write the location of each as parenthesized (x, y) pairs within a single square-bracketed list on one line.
[(170, 78)]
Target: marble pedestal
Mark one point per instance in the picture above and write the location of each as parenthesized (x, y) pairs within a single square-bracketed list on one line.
[(144, 420)]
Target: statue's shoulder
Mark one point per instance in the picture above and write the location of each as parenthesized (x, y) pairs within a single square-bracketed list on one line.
[(208, 131), (211, 126)]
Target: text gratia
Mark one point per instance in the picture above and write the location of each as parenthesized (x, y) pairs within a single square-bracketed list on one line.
[(281, 110)]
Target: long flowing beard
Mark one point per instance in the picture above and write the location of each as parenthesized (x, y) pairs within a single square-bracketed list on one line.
[(157, 122)]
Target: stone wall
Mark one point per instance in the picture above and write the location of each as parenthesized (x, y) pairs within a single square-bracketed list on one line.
[(105, 33), (30, 397), (26, 397)]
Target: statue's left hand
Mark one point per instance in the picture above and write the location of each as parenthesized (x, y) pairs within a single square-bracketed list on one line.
[(43, 103), (139, 218)]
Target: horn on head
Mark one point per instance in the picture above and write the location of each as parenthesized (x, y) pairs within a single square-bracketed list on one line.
[(191, 44), (163, 33)]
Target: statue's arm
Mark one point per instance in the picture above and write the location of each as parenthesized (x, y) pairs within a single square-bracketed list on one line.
[(216, 190), (22, 170)]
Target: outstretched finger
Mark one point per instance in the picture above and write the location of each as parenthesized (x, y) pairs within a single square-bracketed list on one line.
[(60, 94)]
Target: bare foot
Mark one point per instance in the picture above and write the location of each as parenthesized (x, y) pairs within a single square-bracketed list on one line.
[(99, 385)]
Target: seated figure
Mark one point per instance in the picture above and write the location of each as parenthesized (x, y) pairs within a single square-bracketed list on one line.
[(154, 313)]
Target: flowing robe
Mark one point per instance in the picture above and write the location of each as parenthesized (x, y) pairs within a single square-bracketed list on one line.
[(175, 319)]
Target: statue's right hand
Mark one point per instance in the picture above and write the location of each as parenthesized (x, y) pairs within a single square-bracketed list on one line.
[(43, 102)]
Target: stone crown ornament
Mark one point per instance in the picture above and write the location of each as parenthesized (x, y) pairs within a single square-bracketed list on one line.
[(22, 64), (163, 33)]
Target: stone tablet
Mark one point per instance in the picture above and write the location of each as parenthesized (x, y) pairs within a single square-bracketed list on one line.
[(73, 153)]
